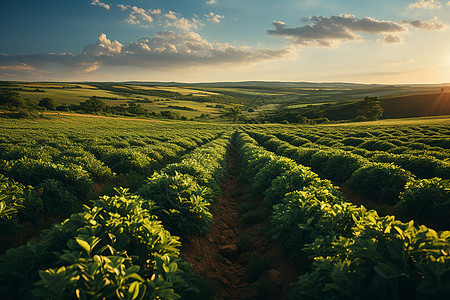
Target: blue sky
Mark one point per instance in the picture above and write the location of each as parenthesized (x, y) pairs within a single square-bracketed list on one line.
[(405, 41)]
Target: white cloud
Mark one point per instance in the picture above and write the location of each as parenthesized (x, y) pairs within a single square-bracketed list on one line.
[(172, 19), (165, 50), (143, 17), (122, 7), (426, 4), (100, 4), (18, 67), (433, 24), (212, 17), (211, 2), (329, 31), (103, 46)]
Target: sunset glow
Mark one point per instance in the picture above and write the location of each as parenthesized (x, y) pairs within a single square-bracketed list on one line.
[(382, 41)]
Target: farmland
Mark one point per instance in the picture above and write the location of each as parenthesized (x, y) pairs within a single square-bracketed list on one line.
[(144, 209), (258, 101)]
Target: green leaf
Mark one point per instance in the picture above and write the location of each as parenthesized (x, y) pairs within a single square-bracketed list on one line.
[(388, 271), (84, 245), (133, 291)]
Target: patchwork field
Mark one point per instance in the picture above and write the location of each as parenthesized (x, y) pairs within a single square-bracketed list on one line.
[(258, 101)]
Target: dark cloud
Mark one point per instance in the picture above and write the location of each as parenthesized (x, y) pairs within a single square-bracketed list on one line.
[(328, 31), (392, 39), (433, 24)]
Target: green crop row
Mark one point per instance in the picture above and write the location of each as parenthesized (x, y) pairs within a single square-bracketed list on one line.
[(183, 191), (115, 249), (421, 165), (354, 253), (388, 183), (61, 171), (120, 247)]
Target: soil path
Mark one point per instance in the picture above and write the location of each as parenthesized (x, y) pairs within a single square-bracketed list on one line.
[(213, 255), (221, 257)]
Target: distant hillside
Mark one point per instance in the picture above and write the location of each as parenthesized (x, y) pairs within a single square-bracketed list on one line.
[(416, 106)]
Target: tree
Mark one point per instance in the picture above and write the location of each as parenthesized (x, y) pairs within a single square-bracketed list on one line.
[(93, 105), (234, 112), (370, 108), (47, 103), (11, 100)]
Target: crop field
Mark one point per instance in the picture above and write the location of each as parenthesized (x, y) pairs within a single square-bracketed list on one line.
[(96, 207)]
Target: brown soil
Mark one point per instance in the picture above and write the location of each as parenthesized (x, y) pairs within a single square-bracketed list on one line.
[(24, 232), (383, 209), (216, 257)]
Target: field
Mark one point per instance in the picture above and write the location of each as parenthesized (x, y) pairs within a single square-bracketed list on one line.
[(152, 209), (258, 101)]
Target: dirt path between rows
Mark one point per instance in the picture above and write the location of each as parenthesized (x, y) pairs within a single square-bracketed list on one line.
[(213, 255), (219, 256)]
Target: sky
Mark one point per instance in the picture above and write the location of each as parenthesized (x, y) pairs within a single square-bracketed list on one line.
[(383, 41)]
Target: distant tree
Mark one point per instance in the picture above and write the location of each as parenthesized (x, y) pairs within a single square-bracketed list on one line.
[(93, 105), (137, 109), (47, 103), (370, 108), (234, 112)]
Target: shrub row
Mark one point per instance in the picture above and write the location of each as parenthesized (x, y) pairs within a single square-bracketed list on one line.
[(115, 249), (422, 165), (355, 254), (183, 191), (386, 182)]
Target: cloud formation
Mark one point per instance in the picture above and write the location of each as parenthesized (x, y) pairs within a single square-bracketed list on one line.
[(426, 4), (165, 50), (433, 24), (145, 17), (212, 17), (329, 31), (211, 2), (172, 19), (98, 3)]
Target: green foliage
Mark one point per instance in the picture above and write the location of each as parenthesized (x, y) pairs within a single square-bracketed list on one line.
[(183, 204), (381, 181), (370, 108), (17, 200), (11, 198), (427, 200), (47, 103), (127, 160), (56, 198), (297, 178), (271, 170), (93, 105), (311, 213), (33, 172), (385, 259), (117, 250)]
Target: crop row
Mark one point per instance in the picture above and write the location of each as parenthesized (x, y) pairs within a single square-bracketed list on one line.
[(422, 199), (354, 253), (63, 173), (185, 190), (425, 140), (120, 248), (423, 166)]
